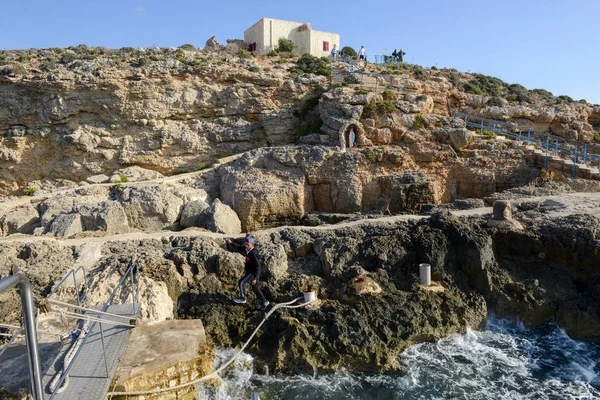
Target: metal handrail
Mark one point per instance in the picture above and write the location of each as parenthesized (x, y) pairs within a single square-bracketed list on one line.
[(35, 370), (130, 271), (354, 70), (546, 141), (80, 300)]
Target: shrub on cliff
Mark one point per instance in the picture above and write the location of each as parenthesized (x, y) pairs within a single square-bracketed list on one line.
[(308, 64), (68, 58), (285, 45), (378, 109), (518, 93), (187, 46), (349, 51), (483, 84), (244, 53)]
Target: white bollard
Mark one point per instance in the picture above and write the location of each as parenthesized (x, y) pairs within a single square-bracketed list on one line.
[(310, 296), (425, 274)]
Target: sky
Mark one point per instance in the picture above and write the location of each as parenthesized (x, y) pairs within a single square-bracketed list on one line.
[(549, 44)]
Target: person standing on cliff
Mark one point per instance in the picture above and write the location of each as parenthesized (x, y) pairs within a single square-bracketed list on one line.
[(252, 270), (361, 53)]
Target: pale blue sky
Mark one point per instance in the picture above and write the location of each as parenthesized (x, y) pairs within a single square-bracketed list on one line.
[(548, 44)]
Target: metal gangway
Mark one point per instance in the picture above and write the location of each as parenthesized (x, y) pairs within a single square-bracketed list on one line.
[(86, 363), (346, 69), (579, 153)]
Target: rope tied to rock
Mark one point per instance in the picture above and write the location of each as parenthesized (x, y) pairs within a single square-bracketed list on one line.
[(289, 304)]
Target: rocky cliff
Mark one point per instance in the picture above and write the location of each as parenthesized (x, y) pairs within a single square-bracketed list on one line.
[(69, 114)]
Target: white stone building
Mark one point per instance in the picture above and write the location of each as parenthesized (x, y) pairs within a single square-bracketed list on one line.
[(264, 35)]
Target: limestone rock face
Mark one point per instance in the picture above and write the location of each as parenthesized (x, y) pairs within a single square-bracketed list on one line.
[(220, 218)]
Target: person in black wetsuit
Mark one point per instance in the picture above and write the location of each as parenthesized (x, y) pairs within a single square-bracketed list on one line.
[(252, 269)]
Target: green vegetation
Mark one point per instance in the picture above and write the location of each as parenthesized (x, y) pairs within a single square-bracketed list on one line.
[(388, 95), (566, 98), (188, 47), (143, 62), (543, 93), (29, 191), (68, 58), (308, 64), (285, 45), (419, 122), (483, 84), (518, 93), (421, 97), (48, 65), (484, 132), (596, 138), (349, 51), (242, 53), (495, 101), (307, 129), (254, 69), (122, 179), (203, 165), (379, 108)]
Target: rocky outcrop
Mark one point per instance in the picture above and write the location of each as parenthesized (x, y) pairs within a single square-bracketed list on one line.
[(220, 218), (271, 187)]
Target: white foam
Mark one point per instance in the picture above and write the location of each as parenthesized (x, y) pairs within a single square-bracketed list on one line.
[(505, 361)]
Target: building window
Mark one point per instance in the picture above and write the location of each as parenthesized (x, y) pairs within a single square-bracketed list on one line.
[(325, 46), (252, 47)]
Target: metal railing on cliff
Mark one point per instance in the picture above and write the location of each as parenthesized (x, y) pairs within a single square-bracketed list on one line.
[(578, 152), (345, 69)]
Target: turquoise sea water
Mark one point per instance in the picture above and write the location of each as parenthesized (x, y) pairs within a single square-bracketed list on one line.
[(505, 361)]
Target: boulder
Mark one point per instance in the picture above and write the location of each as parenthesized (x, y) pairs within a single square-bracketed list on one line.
[(107, 216), (274, 261), (22, 219), (65, 225), (212, 44), (191, 213), (220, 218), (150, 207)]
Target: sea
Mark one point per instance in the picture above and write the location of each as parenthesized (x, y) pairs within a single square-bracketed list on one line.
[(504, 361)]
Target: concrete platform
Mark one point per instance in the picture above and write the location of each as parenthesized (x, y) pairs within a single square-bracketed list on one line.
[(164, 354)]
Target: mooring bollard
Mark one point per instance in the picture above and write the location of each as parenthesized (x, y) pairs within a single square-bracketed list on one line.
[(425, 274), (310, 296)]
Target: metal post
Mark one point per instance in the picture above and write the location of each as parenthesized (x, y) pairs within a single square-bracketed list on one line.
[(103, 349), (528, 136), (35, 370), (575, 162), (519, 140), (556, 147), (585, 154), (76, 289), (132, 291), (547, 145)]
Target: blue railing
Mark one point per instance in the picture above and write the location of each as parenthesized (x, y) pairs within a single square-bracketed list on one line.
[(588, 153)]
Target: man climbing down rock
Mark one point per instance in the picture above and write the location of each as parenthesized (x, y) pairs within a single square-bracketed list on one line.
[(252, 268)]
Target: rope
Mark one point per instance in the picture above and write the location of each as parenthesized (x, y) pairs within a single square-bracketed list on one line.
[(222, 367), (68, 358)]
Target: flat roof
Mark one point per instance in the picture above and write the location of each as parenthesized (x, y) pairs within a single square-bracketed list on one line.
[(284, 20)]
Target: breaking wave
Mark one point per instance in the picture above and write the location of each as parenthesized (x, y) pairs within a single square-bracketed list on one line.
[(505, 361)]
